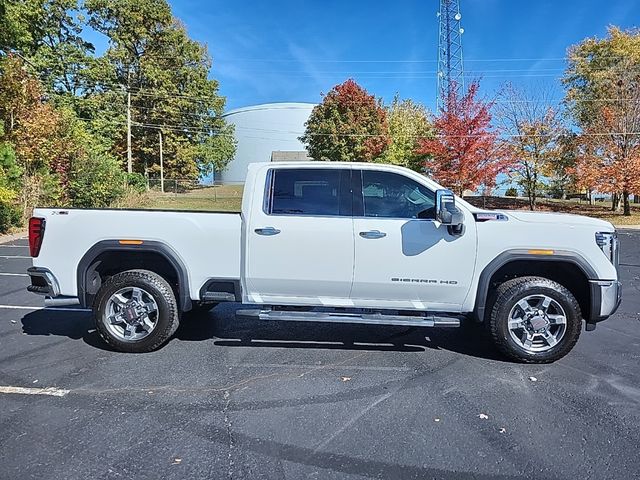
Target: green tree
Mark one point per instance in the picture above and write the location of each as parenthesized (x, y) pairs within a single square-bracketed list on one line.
[(602, 84), (349, 125), (408, 124), (152, 59), (595, 68), (18, 24), (54, 153), (48, 34)]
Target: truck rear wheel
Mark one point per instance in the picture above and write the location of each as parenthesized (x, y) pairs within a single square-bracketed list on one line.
[(534, 320), (136, 311)]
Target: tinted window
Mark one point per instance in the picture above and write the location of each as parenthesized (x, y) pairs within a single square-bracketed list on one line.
[(391, 195), (307, 191)]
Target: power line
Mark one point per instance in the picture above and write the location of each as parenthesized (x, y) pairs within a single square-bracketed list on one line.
[(467, 60), (190, 129)]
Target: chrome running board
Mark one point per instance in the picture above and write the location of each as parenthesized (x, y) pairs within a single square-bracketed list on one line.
[(344, 317)]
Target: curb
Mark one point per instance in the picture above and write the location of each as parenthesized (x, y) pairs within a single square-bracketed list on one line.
[(12, 237)]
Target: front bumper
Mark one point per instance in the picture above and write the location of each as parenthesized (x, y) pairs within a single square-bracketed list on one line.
[(606, 296)]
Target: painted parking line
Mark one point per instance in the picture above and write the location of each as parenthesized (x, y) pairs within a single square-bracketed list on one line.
[(51, 391), (50, 309), (13, 246), (2, 274), (15, 256)]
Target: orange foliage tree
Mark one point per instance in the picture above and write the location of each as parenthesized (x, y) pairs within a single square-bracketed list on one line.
[(611, 158), (465, 153), (45, 139)]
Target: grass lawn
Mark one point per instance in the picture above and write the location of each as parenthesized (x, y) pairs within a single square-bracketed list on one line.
[(220, 198), (599, 210)]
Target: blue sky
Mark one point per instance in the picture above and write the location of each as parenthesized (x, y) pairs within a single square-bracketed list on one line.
[(281, 50)]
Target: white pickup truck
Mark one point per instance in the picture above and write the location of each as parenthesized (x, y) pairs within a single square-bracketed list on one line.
[(334, 242)]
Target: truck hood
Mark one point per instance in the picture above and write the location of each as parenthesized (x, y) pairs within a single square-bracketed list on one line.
[(561, 219)]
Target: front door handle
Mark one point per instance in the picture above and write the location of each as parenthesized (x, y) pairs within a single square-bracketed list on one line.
[(372, 234), (267, 231)]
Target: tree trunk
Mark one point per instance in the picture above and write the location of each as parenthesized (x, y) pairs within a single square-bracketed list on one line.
[(533, 199), (615, 202), (627, 205)]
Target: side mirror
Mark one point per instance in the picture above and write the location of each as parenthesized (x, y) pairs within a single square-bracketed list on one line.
[(447, 213)]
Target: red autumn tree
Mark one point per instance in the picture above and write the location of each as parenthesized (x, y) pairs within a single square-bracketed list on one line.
[(349, 125), (464, 153)]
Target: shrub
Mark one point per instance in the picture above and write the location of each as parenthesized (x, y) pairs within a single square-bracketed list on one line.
[(97, 182), (10, 176), (137, 182), (511, 192), (10, 214)]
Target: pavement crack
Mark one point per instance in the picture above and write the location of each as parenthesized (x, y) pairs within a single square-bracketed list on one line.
[(228, 424), (351, 421)]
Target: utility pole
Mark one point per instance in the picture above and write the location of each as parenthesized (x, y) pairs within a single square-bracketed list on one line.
[(129, 155), (161, 163), (450, 63)]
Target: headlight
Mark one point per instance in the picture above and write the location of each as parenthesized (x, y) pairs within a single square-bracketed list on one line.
[(608, 243)]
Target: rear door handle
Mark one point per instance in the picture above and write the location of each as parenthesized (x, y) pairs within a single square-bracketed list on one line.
[(372, 234), (267, 231)]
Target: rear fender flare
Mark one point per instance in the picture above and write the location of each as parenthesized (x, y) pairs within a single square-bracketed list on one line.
[(184, 298)]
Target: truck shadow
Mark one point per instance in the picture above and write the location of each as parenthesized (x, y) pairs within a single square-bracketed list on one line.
[(226, 330), (229, 331)]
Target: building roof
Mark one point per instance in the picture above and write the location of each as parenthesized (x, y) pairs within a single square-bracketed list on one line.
[(290, 156), (271, 106)]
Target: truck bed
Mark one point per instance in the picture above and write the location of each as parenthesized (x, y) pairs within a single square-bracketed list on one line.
[(206, 241)]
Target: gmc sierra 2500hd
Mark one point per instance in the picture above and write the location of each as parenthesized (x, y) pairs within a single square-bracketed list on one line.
[(334, 242)]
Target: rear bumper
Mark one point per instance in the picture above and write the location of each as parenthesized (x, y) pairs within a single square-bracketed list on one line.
[(606, 296), (43, 282)]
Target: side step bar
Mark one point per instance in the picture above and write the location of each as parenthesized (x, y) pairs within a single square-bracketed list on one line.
[(343, 317), (214, 297)]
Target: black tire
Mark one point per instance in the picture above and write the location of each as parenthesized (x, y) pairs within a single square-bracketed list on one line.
[(509, 294), (162, 293)]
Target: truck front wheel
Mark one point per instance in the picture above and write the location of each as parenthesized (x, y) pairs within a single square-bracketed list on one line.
[(136, 311), (534, 320)]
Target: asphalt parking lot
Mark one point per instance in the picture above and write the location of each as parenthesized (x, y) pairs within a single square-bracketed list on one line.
[(244, 399)]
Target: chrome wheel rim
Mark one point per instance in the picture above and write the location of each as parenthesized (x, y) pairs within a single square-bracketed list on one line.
[(537, 323), (131, 314)]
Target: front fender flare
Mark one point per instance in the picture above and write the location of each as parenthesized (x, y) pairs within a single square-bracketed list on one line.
[(514, 255)]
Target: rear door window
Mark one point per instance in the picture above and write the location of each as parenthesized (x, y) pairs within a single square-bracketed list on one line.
[(310, 191)]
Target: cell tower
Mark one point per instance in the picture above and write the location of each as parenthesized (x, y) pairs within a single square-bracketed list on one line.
[(450, 64)]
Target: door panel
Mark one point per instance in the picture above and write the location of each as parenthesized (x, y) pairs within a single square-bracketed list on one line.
[(417, 264), (403, 258), (300, 245)]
